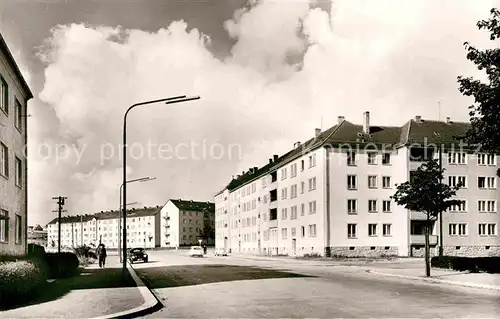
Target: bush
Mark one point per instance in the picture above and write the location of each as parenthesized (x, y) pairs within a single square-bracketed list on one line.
[(62, 265), (471, 264), (20, 280), (35, 250)]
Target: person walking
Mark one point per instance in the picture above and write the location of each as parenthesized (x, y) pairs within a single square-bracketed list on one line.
[(101, 253)]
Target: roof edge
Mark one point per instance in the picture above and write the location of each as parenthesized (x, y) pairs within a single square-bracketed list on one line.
[(17, 71)]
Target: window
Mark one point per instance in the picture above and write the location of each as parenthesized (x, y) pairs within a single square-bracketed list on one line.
[(481, 182), (4, 160), (19, 229), (484, 206), (462, 229), (19, 171), (351, 206), (491, 182), (456, 180), (351, 230), (351, 182), (293, 232), (372, 158), (386, 159), (487, 229), (18, 116), (284, 193), (386, 206), (312, 184), (372, 181), (283, 233), (486, 182), (452, 229), (302, 231), (302, 187), (4, 226), (486, 159), (293, 214), (372, 229), (293, 169), (492, 229), (284, 213), (386, 230), (386, 182), (372, 206), (283, 173), (312, 160), (302, 165), (457, 158), (351, 158), (312, 230), (312, 207), (4, 95), (293, 191), (460, 207)]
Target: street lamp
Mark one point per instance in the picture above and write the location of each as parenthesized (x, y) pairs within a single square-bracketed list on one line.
[(170, 100), (142, 179)]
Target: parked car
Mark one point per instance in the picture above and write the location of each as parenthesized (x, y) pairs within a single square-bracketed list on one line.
[(136, 254), (196, 251), (220, 252)]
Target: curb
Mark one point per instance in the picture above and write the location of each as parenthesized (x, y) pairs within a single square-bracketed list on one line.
[(437, 281), (151, 302)]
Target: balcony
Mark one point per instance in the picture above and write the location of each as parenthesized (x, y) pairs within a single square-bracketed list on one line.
[(420, 240), (417, 215), (166, 218), (273, 205), (167, 226), (272, 186), (273, 223)]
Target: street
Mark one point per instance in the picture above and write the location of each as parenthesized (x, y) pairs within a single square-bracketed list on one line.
[(252, 287)]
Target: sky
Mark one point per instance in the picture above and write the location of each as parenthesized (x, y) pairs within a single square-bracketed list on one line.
[(268, 73)]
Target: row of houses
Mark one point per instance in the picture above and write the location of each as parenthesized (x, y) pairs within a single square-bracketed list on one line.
[(332, 195), (177, 223)]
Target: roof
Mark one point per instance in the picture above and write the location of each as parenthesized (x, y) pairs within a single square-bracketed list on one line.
[(348, 134), (12, 62), (146, 211), (193, 206)]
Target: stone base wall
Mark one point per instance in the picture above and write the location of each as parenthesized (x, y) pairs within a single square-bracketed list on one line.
[(420, 251), (472, 251), (363, 251)]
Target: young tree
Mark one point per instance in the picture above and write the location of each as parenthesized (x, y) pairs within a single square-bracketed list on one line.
[(207, 232), (425, 193), (485, 112)]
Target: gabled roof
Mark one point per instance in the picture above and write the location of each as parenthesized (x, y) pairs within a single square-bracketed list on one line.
[(146, 211), (73, 219), (352, 134), (10, 59), (248, 177), (423, 132), (193, 206)]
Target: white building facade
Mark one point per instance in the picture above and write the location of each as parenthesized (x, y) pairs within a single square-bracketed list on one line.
[(332, 195)]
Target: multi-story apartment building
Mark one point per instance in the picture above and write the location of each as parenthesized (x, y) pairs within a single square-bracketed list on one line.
[(183, 220), (90, 230), (14, 97), (37, 235), (332, 194)]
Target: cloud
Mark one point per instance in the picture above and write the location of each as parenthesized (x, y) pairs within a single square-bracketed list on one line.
[(292, 66)]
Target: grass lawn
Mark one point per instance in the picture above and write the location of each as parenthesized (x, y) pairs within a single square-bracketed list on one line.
[(87, 279), (188, 275)]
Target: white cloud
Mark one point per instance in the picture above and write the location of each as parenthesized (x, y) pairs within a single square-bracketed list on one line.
[(393, 59)]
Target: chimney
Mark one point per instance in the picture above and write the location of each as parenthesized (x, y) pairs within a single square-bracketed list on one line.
[(270, 161), (418, 119), (275, 157), (255, 169), (242, 172), (366, 122), (317, 132), (448, 120), (340, 119)]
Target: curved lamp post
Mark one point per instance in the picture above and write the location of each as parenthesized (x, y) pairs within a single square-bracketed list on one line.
[(170, 100), (142, 179)]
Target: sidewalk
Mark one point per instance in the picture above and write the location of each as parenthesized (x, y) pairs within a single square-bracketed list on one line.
[(444, 276), (95, 292)]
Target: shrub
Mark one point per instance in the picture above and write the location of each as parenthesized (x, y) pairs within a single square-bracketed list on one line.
[(471, 264), (62, 265), (20, 280), (35, 250)]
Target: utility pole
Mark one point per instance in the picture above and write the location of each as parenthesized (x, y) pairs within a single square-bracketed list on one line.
[(81, 229), (60, 202), (441, 213)]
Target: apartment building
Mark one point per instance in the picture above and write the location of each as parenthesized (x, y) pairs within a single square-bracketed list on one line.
[(183, 220), (37, 235), (332, 194), (103, 227), (14, 97)]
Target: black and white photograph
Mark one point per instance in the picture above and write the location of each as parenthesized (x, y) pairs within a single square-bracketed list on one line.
[(249, 159)]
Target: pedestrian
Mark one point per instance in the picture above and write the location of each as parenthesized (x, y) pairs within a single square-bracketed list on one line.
[(205, 249), (101, 253)]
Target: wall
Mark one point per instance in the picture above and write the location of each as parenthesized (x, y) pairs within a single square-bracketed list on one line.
[(171, 234)]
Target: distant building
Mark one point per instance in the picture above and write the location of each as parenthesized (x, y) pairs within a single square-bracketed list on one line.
[(91, 230), (331, 195), (37, 235), (183, 220), (14, 97)]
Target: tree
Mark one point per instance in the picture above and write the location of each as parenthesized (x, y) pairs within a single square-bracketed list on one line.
[(485, 112), (207, 232), (427, 194)]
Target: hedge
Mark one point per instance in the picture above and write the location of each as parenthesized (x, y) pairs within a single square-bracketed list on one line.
[(61, 265), (471, 264), (20, 280)]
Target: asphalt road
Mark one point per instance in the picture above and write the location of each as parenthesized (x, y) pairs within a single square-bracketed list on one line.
[(198, 288)]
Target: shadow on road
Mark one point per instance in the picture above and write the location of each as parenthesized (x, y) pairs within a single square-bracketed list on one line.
[(189, 275), (87, 279)]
